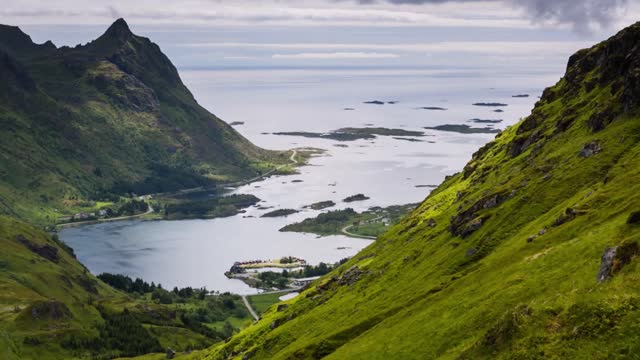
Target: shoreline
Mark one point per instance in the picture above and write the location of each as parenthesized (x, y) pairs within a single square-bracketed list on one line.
[(292, 159)]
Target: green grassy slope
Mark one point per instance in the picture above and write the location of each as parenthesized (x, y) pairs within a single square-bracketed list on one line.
[(51, 307), (103, 119), (500, 261), (42, 297)]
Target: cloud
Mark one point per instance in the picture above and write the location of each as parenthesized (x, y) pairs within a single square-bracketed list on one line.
[(265, 12), (336, 55), (581, 15), (115, 14)]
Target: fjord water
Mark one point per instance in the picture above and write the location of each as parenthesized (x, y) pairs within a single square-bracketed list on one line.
[(198, 252)]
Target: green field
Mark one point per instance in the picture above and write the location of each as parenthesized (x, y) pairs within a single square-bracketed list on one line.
[(261, 303)]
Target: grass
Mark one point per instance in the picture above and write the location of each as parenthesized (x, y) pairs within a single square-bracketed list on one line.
[(262, 302), (518, 284)]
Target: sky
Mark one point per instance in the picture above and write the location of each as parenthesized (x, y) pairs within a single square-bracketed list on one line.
[(197, 34)]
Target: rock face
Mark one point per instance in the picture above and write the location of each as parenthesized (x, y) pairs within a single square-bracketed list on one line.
[(468, 221), (606, 263), (47, 251), (634, 218), (350, 276), (48, 310), (615, 257), (590, 149)]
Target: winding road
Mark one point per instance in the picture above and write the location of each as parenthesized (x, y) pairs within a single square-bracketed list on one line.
[(71, 224), (345, 230)]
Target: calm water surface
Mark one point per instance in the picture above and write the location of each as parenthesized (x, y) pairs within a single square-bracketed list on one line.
[(197, 252)]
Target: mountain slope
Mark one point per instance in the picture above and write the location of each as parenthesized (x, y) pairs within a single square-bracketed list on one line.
[(107, 118), (505, 259), (51, 299)]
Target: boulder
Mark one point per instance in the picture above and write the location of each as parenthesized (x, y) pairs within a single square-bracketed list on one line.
[(590, 149), (170, 353), (606, 263), (634, 218), (46, 251), (615, 257)]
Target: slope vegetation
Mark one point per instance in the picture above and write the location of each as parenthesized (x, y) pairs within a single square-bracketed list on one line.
[(505, 259), (104, 119)]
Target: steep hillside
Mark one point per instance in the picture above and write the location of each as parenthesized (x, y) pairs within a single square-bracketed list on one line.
[(104, 119), (53, 298), (51, 307), (529, 252)]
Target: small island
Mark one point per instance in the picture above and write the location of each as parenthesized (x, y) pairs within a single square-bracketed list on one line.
[(353, 133), (279, 213), (520, 96), (431, 108), (408, 139), (486, 121), (321, 205), (491, 104), (464, 129), (498, 110), (367, 224), (357, 197), (237, 123), (374, 102), (348, 109)]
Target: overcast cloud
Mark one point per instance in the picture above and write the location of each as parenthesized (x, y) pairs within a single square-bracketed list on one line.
[(198, 33), (580, 15)]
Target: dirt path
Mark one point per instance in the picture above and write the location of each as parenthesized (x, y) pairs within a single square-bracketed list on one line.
[(248, 306)]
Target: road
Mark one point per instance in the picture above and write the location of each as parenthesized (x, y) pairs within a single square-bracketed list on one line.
[(253, 313), (149, 211), (345, 230), (248, 306)]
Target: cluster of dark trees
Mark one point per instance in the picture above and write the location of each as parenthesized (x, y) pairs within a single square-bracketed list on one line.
[(121, 335), (163, 179), (131, 208), (205, 310), (126, 284), (141, 287), (211, 207)]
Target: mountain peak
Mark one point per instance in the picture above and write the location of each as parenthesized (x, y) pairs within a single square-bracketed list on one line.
[(119, 29)]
